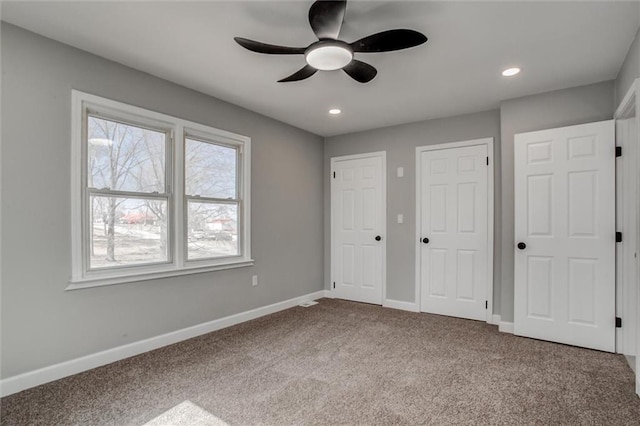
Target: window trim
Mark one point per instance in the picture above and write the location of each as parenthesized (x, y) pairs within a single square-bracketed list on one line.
[(177, 131)]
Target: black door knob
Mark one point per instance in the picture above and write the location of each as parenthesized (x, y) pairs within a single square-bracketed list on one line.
[(378, 237), (522, 246), (425, 240)]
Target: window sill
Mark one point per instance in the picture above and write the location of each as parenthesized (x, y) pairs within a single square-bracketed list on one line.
[(89, 282)]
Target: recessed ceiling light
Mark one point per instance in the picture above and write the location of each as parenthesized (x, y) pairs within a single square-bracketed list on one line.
[(510, 72), (334, 111)]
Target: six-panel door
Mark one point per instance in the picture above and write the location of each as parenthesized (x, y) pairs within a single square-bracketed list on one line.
[(565, 227), (453, 231), (357, 206)]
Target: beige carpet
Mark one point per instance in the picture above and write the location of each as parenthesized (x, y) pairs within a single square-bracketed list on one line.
[(186, 413), (340, 362)]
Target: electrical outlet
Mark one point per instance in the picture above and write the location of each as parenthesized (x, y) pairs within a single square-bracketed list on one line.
[(254, 280), (400, 218), (400, 172)]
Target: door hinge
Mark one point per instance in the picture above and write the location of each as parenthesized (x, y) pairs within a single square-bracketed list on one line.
[(618, 237), (334, 175), (618, 322), (334, 284), (618, 151), (486, 304), (487, 161)]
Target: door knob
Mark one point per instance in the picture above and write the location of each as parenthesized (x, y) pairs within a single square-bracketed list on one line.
[(522, 246), (425, 240), (378, 237)]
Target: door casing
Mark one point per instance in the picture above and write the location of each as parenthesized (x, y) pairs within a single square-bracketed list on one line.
[(628, 271), (490, 215)]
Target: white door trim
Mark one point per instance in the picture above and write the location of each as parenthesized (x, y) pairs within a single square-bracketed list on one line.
[(383, 219), (490, 208), (631, 204)]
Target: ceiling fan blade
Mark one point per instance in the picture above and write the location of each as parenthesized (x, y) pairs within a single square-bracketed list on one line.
[(388, 41), (305, 72), (360, 71), (271, 49), (326, 18)]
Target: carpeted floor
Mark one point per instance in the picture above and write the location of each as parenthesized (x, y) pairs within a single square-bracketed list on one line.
[(341, 362)]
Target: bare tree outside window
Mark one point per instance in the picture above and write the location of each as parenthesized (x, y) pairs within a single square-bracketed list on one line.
[(211, 188), (124, 159)]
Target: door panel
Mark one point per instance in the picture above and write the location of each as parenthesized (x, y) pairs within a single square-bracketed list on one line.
[(453, 216), (466, 274), (539, 195), (357, 210), (564, 214), (539, 270)]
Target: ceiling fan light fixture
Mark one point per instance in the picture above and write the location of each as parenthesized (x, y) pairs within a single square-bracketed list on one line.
[(329, 55), (329, 52)]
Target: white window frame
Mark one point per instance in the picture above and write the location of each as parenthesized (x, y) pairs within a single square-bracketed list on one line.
[(177, 130)]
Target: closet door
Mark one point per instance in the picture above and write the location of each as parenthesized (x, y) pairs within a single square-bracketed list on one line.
[(358, 207), (565, 235), (453, 231)]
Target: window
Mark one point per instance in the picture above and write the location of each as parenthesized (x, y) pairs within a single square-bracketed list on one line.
[(213, 201), (154, 195), (127, 195)]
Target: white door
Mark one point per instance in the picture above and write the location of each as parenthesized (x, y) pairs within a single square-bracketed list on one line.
[(453, 231), (565, 235), (358, 208)]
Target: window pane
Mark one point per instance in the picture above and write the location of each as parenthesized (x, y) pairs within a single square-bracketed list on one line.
[(210, 170), (127, 231), (125, 157), (212, 230)]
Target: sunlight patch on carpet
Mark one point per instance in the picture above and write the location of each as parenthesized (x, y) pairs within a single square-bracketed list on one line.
[(186, 413)]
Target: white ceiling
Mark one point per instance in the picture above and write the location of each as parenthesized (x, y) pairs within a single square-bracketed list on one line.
[(557, 44)]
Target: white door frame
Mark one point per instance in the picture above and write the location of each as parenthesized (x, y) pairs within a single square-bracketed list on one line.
[(383, 217), (418, 244), (631, 203)]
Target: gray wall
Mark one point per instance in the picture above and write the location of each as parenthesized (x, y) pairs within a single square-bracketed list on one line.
[(567, 107), (630, 69), (41, 323), (400, 143)]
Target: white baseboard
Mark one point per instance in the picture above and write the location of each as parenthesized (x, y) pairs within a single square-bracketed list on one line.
[(505, 327), (40, 376), (399, 304), (386, 303), (495, 319), (631, 360)]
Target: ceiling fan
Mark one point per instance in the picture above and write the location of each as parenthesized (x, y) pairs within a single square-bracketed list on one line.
[(329, 53)]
